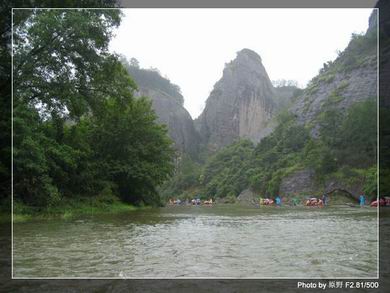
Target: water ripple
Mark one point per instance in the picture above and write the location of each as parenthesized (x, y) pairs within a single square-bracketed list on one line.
[(202, 242)]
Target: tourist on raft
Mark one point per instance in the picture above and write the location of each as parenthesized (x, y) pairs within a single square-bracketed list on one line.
[(278, 201), (266, 201), (362, 200), (314, 202)]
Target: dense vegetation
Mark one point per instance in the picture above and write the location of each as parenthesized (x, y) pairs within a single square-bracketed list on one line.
[(78, 130)]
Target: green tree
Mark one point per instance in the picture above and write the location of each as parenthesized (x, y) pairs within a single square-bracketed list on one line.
[(134, 152), (32, 183), (61, 60), (358, 133)]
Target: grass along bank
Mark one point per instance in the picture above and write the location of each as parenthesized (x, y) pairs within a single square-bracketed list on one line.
[(69, 208)]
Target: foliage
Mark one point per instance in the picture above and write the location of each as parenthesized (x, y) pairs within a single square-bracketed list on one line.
[(242, 164), (134, 152), (351, 139), (226, 173), (32, 182), (78, 130), (284, 83), (370, 186), (186, 180), (61, 60), (278, 154), (72, 207), (358, 131)]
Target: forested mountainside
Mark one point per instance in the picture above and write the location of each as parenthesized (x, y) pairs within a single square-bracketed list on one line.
[(318, 140), (351, 78)]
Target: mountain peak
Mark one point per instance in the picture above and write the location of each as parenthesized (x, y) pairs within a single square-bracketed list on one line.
[(246, 61), (248, 53), (240, 105)]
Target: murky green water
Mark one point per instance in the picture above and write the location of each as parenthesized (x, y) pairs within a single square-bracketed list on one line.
[(220, 241)]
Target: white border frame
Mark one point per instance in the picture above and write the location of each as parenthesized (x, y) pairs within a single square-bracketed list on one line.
[(178, 278)]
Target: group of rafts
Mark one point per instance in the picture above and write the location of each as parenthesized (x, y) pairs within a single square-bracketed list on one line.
[(194, 202), (263, 201), (383, 202), (318, 202), (311, 202)]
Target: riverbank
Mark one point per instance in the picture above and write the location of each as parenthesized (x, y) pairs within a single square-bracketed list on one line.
[(70, 208)]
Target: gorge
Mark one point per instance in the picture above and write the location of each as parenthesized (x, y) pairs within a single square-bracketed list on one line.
[(101, 146)]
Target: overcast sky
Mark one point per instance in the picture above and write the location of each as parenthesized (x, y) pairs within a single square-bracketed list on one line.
[(191, 46)]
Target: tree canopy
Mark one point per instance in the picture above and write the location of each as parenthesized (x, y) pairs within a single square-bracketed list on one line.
[(78, 130)]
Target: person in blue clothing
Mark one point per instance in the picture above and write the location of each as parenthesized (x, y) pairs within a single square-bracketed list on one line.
[(362, 200), (278, 201)]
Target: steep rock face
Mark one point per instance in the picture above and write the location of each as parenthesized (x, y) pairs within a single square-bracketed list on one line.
[(240, 104), (167, 102), (179, 122), (247, 197), (301, 181), (344, 90)]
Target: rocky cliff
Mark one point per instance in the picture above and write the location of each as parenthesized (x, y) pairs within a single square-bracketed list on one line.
[(240, 105), (167, 102), (175, 116)]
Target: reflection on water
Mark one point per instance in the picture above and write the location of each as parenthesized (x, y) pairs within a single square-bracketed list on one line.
[(220, 241)]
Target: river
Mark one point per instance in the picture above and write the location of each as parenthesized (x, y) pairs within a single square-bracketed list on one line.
[(224, 241)]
